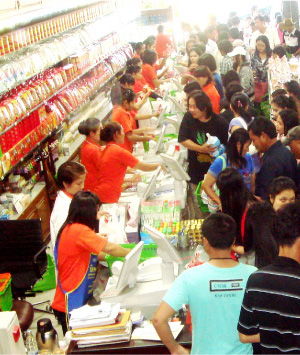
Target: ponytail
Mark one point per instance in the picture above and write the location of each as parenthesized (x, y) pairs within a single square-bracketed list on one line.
[(239, 103)]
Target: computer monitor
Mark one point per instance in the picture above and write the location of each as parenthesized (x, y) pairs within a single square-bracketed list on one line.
[(161, 117), (151, 186), (176, 170), (177, 104), (167, 252), (159, 143), (179, 174), (129, 269), (178, 84)]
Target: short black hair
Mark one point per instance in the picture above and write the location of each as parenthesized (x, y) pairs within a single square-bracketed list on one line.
[(202, 101), (229, 77), (281, 183), (68, 173), (209, 61), (133, 69), (235, 20), (192, 86), (149, 56), (223, 35), (262, 125), (278, 92), (127, 79), (286, 229), (231, 89), (219, 229), (234, 33), (280, 51), (160, 28), (260, 18), (225, 45), (203, 71), (202, 37)]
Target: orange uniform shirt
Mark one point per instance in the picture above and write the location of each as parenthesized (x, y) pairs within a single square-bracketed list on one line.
[(149, 74), (161, 44), (214, 96), (127, 121), (138, 86), (114, 162), (90, 154), (77, 242)]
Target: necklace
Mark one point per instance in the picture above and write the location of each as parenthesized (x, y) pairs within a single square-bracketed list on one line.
[(220, 259)]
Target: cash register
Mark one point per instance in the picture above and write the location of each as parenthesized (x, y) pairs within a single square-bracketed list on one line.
[(142, 287)]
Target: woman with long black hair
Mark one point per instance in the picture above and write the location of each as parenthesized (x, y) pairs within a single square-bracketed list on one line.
[(259, 64), (235, 197), (259, 247), (77, 250)]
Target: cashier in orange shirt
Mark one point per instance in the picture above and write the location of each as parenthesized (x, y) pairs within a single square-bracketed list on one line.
[(162, 42), (126, 117), (148, 69), (90, 152), (114, 163), (78, 248)]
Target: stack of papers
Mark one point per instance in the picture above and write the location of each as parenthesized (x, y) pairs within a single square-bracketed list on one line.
[(119, 331), (149, 333), (93, 316)]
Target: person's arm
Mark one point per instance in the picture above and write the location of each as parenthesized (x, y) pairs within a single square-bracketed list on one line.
[(276, 38), (160, 75), (249, 338), (132, 137), (140, 116), (114, 250), (138, 105), (207, 185), (160, 323), (147, 166), (157, 82), (186, 77), (205, 148)]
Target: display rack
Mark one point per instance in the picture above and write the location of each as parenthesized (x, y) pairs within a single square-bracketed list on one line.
[(111, 38)]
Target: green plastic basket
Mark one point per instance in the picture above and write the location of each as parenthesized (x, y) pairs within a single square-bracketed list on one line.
[(149, 251), (202, 205), (6, 300), (48, 281)]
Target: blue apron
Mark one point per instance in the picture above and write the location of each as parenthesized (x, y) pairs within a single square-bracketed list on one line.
[(78, 296)]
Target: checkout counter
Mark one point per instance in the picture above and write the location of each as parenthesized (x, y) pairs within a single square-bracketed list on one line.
[(141, 287)]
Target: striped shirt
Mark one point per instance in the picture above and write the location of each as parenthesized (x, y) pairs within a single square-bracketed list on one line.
[(271, 307)]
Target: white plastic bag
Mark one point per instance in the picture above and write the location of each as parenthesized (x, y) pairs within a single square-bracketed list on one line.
[(114, 225)]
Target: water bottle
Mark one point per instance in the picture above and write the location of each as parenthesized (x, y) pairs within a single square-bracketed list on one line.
[(215, 142), (30, 344)]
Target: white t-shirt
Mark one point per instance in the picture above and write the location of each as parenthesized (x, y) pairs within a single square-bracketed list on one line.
[(59, 214), (272, 35)]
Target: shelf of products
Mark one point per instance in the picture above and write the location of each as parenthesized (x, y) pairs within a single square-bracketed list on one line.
[(47, 89), (18, 139)]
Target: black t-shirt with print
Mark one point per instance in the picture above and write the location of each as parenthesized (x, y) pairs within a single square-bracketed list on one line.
[(196, 130)]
